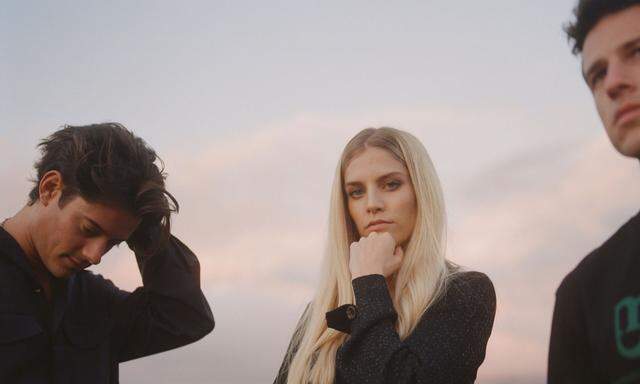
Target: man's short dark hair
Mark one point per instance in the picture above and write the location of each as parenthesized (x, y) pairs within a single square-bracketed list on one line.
[(588, 13), (106, 163)]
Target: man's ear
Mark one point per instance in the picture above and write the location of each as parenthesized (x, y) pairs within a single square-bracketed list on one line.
[(50, 186)]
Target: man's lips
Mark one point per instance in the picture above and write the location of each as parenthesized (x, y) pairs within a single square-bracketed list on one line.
[(626, 112), (77, 263)]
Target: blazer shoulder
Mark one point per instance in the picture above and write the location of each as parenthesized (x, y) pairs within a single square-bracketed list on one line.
[(470, 282), (471, 289)]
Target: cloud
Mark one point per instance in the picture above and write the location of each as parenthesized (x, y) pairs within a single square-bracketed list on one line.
[(533, 232), (255, 205), (254, 209)]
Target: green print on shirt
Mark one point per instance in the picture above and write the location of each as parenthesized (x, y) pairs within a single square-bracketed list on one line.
[(632, 306)]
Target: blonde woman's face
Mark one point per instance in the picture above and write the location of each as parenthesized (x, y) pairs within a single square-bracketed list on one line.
[(380, 195)]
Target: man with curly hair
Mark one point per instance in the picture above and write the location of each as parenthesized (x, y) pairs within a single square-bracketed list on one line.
[(595, 336), (97, 186)]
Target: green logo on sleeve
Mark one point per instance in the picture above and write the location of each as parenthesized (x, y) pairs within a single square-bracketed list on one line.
[(627, 309)]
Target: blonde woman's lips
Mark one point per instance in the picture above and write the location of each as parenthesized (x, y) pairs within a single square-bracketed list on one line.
[(378, 224)]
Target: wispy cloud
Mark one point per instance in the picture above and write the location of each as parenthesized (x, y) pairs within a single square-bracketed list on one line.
[(527, 236), (255, 210)]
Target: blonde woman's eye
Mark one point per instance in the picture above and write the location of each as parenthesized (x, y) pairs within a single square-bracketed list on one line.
[(391, 185), (355, 193)]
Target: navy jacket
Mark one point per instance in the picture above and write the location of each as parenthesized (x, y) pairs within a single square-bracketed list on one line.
[(90, 325)]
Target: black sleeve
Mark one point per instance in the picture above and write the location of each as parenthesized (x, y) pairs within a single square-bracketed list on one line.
[(569, 360), (167, 312), (283, 372), (447, 346)]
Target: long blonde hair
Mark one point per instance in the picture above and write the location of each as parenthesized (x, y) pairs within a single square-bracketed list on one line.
[(417, 284)]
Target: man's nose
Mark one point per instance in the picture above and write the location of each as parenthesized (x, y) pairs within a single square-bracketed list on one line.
[(618, 80), (94, 250)]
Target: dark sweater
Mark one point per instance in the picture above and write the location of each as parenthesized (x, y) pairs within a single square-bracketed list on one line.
[(447, 346), (90, 326), (595, 336)]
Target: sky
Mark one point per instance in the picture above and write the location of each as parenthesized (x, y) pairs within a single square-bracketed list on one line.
[(249, 104)]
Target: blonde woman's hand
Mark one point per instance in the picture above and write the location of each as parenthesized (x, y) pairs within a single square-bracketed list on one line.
[(377, 253)]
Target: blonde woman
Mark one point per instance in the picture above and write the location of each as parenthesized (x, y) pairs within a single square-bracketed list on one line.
[(390, 308)]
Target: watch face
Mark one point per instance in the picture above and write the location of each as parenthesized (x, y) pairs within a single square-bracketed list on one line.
[(351, 312), (340, 318)]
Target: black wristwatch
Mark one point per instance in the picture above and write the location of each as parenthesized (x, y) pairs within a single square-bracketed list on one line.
[(341, 318)]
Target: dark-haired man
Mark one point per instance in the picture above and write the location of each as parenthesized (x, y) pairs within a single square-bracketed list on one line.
[(595, 336), (97, 186)]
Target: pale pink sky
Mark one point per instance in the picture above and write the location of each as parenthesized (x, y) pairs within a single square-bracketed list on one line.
[(249, 106)]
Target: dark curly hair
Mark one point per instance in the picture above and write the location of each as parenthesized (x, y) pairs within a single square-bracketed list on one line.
[(106, 163), (588, 13)]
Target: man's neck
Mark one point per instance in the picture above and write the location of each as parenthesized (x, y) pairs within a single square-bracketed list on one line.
[(19, 227)]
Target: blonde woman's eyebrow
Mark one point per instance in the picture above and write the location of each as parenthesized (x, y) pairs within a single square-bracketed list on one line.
[(381, 177), (391, 174), (353, 184)]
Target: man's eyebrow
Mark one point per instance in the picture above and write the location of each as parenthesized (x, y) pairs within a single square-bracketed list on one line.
[(598, 63), (630, 43), (592, 68), (100, 228)]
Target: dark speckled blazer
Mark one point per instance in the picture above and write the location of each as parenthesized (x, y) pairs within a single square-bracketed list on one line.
[(447, 346)]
